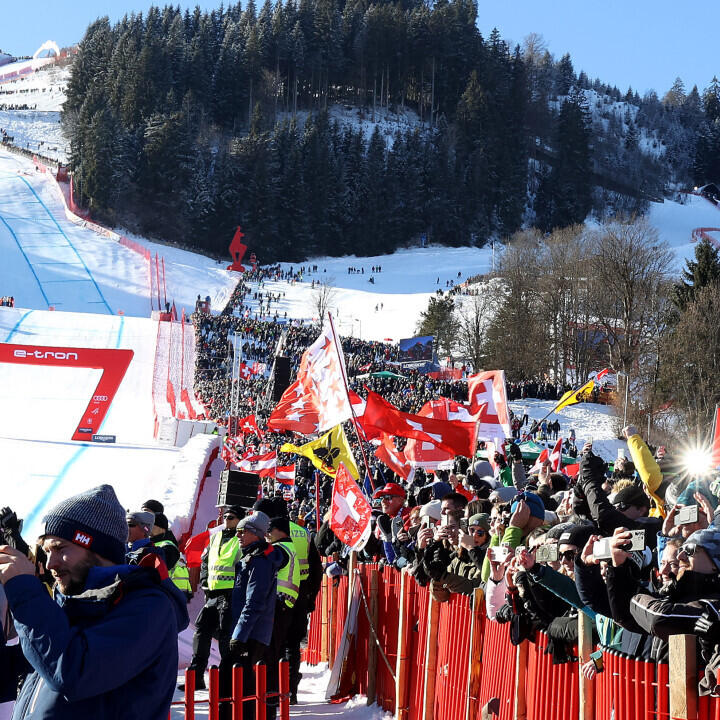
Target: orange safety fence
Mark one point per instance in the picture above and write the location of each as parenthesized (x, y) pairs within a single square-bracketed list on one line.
[(628, 689)]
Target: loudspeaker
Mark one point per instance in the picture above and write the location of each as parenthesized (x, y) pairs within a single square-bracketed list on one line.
[(281, 376), (238, 488)]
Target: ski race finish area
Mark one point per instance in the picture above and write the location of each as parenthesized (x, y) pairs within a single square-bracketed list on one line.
[(113, 364)]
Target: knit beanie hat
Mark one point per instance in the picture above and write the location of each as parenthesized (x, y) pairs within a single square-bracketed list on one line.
[(143, 518), (154, 506), (258, 523), (94, 520), (481, 520), (161, 521), (280, 523)]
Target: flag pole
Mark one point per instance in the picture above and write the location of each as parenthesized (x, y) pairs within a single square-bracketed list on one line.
[(544, 417), (341, 362)]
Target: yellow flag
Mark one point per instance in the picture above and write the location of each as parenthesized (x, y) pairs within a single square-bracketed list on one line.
[(574, 396), (327, 452)]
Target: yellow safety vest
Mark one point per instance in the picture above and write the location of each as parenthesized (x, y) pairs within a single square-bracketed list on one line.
[(301, 542), (179, 573), (288, 578), (221, 562)]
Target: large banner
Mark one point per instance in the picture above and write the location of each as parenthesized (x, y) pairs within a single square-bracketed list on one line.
[(416, 348), (113, 363)]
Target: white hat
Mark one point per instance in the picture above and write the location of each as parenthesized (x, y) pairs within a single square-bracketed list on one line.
[(432, 509)]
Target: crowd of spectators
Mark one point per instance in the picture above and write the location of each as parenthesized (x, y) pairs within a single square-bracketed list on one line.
[(636, 549)]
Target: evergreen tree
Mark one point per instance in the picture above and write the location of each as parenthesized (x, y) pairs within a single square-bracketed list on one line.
[(697, 274), (568, 186), (711, 100), (439, 321)]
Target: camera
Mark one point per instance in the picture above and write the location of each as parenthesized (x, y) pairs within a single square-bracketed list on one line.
[(498, 554), (547, 553), (637, 541), (687, 515)]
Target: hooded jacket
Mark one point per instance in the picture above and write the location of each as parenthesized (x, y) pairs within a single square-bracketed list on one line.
[(108, 652), (254, 594)]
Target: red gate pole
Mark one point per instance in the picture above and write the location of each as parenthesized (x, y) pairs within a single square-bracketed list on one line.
[(260, 691), (189, 695), (284, 690), (214, 694), (164, 288), (237, 692)]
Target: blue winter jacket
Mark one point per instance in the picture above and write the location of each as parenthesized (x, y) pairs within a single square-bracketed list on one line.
[(109, 652), (253, 597)]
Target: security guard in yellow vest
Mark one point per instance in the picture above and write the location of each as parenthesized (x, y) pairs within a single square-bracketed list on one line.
[(311, 573), (302, 548), (288, 586), (217, 578)]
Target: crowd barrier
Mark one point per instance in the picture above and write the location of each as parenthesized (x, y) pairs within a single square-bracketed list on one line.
[(239, 698), (445, 661)]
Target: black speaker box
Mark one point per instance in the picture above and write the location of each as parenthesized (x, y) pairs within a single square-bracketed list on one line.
[(281, 376), (238, 488)]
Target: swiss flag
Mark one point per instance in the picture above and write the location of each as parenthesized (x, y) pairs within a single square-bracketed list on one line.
[(245, 371), (392, 457), (453, 437), (488, 400), (248, 424), (351, 512)]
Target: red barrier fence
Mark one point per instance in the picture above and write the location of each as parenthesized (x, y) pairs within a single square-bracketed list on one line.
[(445, 661), (239, 699)]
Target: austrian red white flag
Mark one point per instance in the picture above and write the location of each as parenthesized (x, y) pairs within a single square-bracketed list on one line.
[(351, 512), (489, 403), (263, 465), (556, 456), (285, 474)]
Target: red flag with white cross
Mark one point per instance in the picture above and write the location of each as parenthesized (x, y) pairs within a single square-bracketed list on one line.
[(351, 512)]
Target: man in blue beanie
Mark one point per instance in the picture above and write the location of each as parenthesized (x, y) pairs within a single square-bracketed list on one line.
[(106, 645)]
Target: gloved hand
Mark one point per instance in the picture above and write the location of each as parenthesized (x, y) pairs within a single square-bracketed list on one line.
[(707, 628), (514, 451), (592, 468), (238, 647), (384, 523)]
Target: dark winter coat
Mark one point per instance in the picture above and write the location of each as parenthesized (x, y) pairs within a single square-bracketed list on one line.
[(109, 652), (253, 597)]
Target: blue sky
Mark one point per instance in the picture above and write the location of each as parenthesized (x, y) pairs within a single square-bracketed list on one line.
[(623, 42)]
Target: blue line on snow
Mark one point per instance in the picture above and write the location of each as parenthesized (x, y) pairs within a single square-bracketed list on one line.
[(57, 225), (120, 332), (30, 517), (27, 260), (17, 325)]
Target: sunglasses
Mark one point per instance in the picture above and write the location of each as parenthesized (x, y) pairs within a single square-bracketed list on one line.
[(132, 524), (690, 549), (622, 507), (387, 497), (478, 531), (229, 516), (567, 555)]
